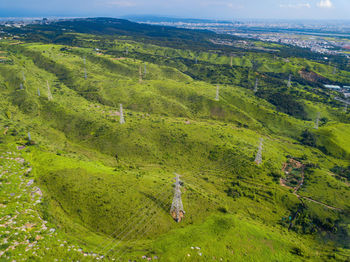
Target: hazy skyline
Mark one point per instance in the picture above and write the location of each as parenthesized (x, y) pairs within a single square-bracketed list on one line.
[(220, 9)]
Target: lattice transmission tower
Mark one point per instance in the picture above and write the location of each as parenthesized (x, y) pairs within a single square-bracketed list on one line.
[(217, 98), (121, 120), (258, 158), (140, 74), (256, 85), (49, 95), (177, 209), (289, 80), (317, 122)]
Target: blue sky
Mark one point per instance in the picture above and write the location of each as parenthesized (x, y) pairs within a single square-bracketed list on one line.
[(217, 9)]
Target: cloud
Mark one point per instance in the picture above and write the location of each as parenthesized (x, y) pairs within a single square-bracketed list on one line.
[(226, 4), (121, 3), (325, 4), (304, 5)]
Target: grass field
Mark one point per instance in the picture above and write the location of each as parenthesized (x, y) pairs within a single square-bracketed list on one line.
[(107, 188)]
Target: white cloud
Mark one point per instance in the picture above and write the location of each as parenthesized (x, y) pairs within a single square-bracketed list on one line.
[(325, 4), (302, 5), (226, 4), (121, 3)]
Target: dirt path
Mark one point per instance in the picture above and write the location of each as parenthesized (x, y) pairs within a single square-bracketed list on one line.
[(296, 189), (301, 182), (320, 203)]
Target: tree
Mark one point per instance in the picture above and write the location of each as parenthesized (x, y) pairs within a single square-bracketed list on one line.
[(308, 138)]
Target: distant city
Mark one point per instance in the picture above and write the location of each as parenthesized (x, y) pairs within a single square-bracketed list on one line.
[(325, 37)]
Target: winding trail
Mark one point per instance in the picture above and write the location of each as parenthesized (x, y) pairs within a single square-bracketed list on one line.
[(296, 189)]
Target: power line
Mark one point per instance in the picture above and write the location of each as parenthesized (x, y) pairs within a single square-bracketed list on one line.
[(133, 229), (125, 226)]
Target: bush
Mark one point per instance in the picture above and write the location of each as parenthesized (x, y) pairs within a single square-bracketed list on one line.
[(308, 138), (275, 176)]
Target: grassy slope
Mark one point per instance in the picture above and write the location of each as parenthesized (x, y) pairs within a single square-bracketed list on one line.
[(89, 192)]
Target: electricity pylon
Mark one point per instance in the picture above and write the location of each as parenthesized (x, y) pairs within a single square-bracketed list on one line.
[(217, 98), (317, 120), (85, 74), (49, 95), (258, 158), (289, 80), (177, 210), (145, 71), (29, 137), (346, 108), (256, 85), (140, 74), (121, 120), (21, 86), (38, 91), (24, 77)]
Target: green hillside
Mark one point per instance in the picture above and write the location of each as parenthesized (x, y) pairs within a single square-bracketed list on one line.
[(77, 185)]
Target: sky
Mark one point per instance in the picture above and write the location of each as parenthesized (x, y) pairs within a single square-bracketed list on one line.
[(213, 9)]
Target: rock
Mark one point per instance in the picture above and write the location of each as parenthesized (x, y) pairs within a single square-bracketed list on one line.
[(30, 182), (37, 191), (29, 225)]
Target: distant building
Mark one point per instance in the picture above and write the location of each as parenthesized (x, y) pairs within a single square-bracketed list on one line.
[(346, 87), (347, 95), (333, 87)]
